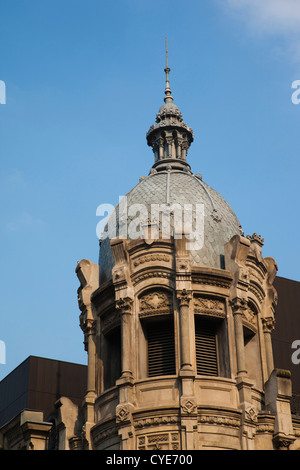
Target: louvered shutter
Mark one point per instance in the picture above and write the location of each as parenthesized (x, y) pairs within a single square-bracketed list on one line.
[(206, 348), (161, 349)]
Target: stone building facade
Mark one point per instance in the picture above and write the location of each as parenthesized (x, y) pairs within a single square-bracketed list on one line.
[(177, 319), (177, 322)]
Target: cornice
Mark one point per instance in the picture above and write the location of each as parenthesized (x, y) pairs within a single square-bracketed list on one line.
[(212, 276)]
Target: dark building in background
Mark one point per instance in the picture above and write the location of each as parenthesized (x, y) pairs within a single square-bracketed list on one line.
[(36, 385), (287, 330)]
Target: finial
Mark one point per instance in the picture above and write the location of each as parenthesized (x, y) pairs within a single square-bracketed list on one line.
[(168, 93)]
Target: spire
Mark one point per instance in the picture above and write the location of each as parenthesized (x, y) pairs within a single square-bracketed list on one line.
[(168, 93), (170, 138)]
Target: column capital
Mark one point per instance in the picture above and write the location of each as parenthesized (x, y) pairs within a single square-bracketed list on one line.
[(89, 326), (238, 305), (124, 305), (184, 297), (268, 324)]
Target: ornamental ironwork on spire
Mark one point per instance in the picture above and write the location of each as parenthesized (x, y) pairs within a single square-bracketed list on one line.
[(170, 138)]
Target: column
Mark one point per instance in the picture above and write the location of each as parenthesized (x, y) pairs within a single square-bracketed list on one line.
[(169, 140), (268, 327), (91, 350), (238, 306), (184, 298), (125, 307)]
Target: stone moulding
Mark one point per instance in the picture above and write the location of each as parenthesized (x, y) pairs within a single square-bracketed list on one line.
[(146, 274), (151, 258), (209, 306), (218, 420), (103, 431), (110, 321), (256, 290), (212, 276), (142, 419)]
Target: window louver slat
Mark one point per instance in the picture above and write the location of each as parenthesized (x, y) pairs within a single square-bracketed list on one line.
[(206, 349), (161, 349)]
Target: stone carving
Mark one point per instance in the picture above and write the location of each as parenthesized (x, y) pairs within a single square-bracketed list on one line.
[(219, 420), (188, 406), (215, 307), (268, 324), (119, 275), (152, 274), (282, 443), (149, 258), (122, 413), (163, 441), (155, 303), (124, 305), (184, 297), (250, 317), (238, 305), (256, 238), (251, 414), (154, 421)]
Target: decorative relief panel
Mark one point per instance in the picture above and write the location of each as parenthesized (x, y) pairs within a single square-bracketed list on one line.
[(162, 441), (150, 258), (250, 317), (209, 306), (157, 302)]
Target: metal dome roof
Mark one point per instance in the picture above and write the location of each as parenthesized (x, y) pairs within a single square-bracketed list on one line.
[(180, 187)]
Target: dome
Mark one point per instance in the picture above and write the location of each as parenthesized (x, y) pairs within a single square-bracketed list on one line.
[(168, 109), (183, 188)]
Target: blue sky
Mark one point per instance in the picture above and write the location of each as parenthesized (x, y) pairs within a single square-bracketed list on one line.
[(84, 81)]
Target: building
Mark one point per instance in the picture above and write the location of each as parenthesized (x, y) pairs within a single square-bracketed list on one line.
[(178, 318), (32, 398)]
